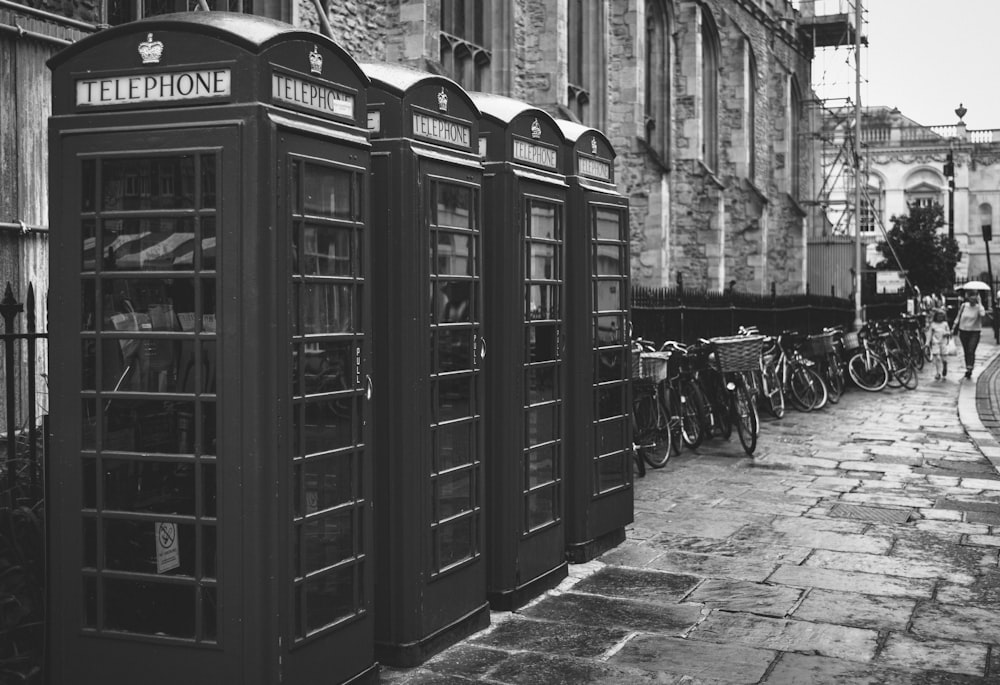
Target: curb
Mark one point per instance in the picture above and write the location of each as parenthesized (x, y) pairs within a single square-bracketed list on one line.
[(982, 391)]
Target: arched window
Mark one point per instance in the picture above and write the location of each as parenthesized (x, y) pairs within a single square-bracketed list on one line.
[(794, 150), (657, 86), (587, 66), (710, 49), (123, 11), (750, 122), (465, 50)]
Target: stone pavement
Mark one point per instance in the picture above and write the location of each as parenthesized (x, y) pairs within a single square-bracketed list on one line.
[(860, 545)]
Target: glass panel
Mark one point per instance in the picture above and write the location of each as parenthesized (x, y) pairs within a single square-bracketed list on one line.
[(152, 244), (325, 251), (454, 541), (452, 301), (151, 183), (608, 224), (609, 260), (209, 614), (454, 207), (149, 607), (328, 424), (327, 540), (144, 426), (208, 310), (153, 486), (90, 602), (454, 397), (327, 308), (455, 254), (327, 192), (541, 466), (541, 384), (543, 302), (611, 472), (542, 221), (146, 304), (611, 365), (453, 445), (542, 343), (208, 554), (208, 244), (452, 494), (208, 489), (145, 364), (610, 296), (89, 482), (88, 185), (327, 367), (454, 349), (542, 261), (131, 546), (208, 185), (328, 597), (88, 304), (541, 507), (610, 436), (542, 424), (208, 428), (90, 542), (609, 330), (88, 364), (325, 483), (88, 234), (88, 428), (611, 402)]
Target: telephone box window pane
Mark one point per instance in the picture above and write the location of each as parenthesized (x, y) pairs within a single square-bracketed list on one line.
[(145, 365), (88, 313), (611, 365), (608, 225), (90, 602), (152, 183), (329, 597), (542, 261), (208, 488), (88, 189), (541, 384), (609, 260), (208, 428), (327, 192), (88, 472), (454, 349), (89, 543), (609, 296), (543, 221), (454, 541), (88, 362), (160, 487), (326, 482), (454, 398), (327, 540), (88, 233), (327, 367), (131, 546), (452, 301), (454, 207), (455, 254), (144, 426), (610, 436), (208, 311), (158, 244), (209, 612), (541, 507), (208, 184), (209, 552), (327, 308), (453, 445), (208, 240), (329, 424), (326, 251), (541, 466), (88, 428), (609, 331), (149, 607), (610, 401), (542, 343), (543, 302), (452, 494), (542, 424), (611, 472)]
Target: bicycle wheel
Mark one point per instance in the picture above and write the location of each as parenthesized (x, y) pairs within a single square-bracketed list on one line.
[(675, 417), (720, 407), (822, 393), (771, 388), (868, 371), (656, 450), (903, 370), (691, 430), (834, 377), (802, 389), (644, 414), (745, 418)]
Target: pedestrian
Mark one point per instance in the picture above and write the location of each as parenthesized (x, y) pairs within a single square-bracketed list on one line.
[(969, 326), (938, 335)]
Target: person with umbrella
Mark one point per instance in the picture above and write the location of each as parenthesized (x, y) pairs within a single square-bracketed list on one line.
[(969, 322)]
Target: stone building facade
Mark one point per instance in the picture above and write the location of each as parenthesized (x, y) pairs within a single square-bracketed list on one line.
[(702, 100)]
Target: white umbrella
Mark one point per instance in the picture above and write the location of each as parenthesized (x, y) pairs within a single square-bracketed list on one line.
[(974, 285)]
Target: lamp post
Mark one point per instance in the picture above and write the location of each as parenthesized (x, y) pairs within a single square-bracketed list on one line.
[(987, 236)]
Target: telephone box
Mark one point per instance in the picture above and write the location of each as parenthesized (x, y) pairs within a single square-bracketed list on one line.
[(427, 280), (210, 499), (598, 449), (525, 219)]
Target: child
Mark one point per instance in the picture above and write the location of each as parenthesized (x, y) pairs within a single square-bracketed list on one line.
[(937, 337)]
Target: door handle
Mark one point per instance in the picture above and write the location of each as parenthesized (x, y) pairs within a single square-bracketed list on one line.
[(369, 387), (482, 348)]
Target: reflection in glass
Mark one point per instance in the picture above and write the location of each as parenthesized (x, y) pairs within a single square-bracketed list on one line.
[(542, 424), (541, 507), (452, 494), (611, 365), (454, 349), (609, 330), (454, 397), (610, 436), (209, 613), (454, 542), (88, 185), (88, 234), (147, 183), (328, 424), (327, 367), (88, 304), (610, 402), (88, 476), (208, 184), (608, 224), (542, 261), (543, 221), (611, 472), (325, 481), (543, 302), (326, 541), (160, 487), (151, 244), (609, 260), (325, 251), (327, 597), (455, 254), (453, 301), (541, 384), (327, 308), (327, 192), (131, 546), (541, 466), (145, 426), (88, 428), (542, 343), (610, 296), (90, 602), (453, 445), (453, 207), (149, 607), (88, 361)]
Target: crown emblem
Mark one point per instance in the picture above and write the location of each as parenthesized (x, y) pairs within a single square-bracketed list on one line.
[(151, 50), (443, 101), (315, 61), (536, 129), (593, 145)]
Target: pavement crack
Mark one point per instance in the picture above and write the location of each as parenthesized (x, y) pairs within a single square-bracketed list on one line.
[(618, 646)]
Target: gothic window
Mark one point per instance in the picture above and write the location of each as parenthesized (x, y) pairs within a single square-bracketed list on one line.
[(465, 50), (658, 79), (794, 119), (123, 11), (586, 64), (710, 49), (751, 111)]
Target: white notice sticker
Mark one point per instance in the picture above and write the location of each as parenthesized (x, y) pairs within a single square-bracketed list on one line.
[(168, 556)]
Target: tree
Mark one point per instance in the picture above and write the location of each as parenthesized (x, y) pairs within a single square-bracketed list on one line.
[(927, 255)]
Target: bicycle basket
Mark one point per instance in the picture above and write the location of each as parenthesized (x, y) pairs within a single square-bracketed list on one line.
[(654, 365), (636, 363), (821, 344), (851, 341), (738, 353)]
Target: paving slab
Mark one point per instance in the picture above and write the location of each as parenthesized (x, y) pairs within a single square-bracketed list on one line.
[(736, 595), (902, 567), (908, 653), (956, 622), (531, 668), (703, 662), (846, 581), (855, 609), (621, 613), (800, 669), (650, 586)]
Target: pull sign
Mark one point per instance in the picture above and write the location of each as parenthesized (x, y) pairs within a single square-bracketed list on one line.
[(168, 556), (357, 366)]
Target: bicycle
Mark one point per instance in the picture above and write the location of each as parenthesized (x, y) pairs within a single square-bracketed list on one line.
[(801, 383), (765, 379), (824, 353), (902, 369), (709, 392), (651, 434), (865, 367), (679, 391), (736, 357)]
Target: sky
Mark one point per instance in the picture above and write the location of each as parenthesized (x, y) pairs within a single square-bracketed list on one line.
[(924, 57)]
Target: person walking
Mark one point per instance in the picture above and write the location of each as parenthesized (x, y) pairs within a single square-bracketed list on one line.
[(969, 327), (938, 335)]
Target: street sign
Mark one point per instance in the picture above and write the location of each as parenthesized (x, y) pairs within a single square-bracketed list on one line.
[(889, 281)]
